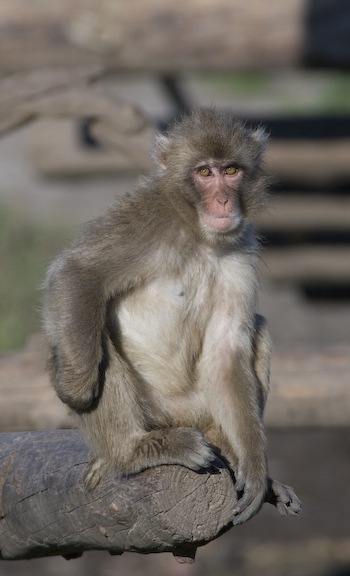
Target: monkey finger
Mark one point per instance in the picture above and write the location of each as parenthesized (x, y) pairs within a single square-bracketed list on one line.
[(282, 494), (248, 510), (295, 505), (240, 482), (249, 495), (283, 498), (291, 494)]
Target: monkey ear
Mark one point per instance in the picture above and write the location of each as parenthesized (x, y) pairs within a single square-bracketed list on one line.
[(260, 135), (163, 144)]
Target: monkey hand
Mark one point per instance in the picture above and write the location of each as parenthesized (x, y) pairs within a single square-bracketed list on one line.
[(283, 497), (75, 374), (77, 387), (251, 490)]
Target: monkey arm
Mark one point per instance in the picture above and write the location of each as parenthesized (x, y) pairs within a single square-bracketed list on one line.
[(262, 353), (233, 394), (74, 317), (259, 387), (79, 286)]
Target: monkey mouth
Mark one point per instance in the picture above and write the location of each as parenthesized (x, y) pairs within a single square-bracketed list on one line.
[(221, 223)]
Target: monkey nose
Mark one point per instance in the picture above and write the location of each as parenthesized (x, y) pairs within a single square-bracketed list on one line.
[(222, 201)]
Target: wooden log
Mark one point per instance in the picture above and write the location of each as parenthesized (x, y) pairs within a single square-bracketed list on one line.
[(45, 510), (310, 386), (149, 35)]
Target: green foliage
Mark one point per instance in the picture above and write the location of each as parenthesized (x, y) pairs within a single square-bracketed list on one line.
[(292, 91), (336, 97), (25, 250)]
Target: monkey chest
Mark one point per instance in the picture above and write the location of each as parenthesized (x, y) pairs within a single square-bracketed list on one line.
[(160, 330), (165, 327)]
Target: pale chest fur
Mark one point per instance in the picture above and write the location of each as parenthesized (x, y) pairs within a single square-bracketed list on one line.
[(165, 326)]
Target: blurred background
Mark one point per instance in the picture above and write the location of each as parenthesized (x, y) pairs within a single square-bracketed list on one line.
[(84, 86)]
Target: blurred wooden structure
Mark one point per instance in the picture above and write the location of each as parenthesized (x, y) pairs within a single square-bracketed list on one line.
[(52, 58), (310, 386), (147, 35), (297, 220)]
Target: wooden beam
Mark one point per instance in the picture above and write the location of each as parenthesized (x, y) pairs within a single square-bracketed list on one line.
[(317, 162), (296, 213), (149, 35), (27, 401), (310, 386), (324, 265)]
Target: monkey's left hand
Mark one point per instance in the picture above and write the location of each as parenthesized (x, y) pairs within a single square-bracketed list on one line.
[(251, 496), (283, 497)]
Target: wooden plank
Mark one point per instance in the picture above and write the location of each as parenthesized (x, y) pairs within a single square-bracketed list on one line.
[(310, 385), (306, 263), (27, 400), (319, 162), (149, 35), (297, 212)]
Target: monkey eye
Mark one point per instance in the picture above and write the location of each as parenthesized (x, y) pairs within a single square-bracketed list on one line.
[(204, 171), (230, 170)]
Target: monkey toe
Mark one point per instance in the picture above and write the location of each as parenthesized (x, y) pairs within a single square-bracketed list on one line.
[(190, 449), (200, 453), (93, 473), (283, 498)]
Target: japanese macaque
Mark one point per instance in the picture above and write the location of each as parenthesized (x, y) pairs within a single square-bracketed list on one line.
[(150, 316)]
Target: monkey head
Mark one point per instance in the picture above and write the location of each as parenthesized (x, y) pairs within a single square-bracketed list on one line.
[(212, 161)]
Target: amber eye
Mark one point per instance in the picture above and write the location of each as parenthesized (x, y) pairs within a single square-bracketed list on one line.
[(230, 170), (204, 171)]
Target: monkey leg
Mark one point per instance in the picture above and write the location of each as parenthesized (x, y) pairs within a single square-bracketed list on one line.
[(261, 357), (129, 432), (283, 498)]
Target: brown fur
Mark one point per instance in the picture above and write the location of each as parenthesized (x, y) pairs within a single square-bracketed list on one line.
[(150, 316)]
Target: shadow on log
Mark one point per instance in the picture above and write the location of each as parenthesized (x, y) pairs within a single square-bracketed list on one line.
[(45, 510)]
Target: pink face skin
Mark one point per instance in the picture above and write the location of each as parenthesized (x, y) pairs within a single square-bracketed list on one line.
[(218, 184)]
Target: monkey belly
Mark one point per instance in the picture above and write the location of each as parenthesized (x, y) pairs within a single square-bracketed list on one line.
[(159, 330)]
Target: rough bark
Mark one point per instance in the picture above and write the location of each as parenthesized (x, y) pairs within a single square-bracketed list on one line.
[(45, 510), (150, 35)]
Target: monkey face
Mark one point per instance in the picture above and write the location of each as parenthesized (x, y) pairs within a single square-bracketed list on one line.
[(218, 185), (211, 173)]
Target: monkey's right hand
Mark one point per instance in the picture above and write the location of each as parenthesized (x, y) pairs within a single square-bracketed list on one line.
[(75, 385), (80, 392)]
